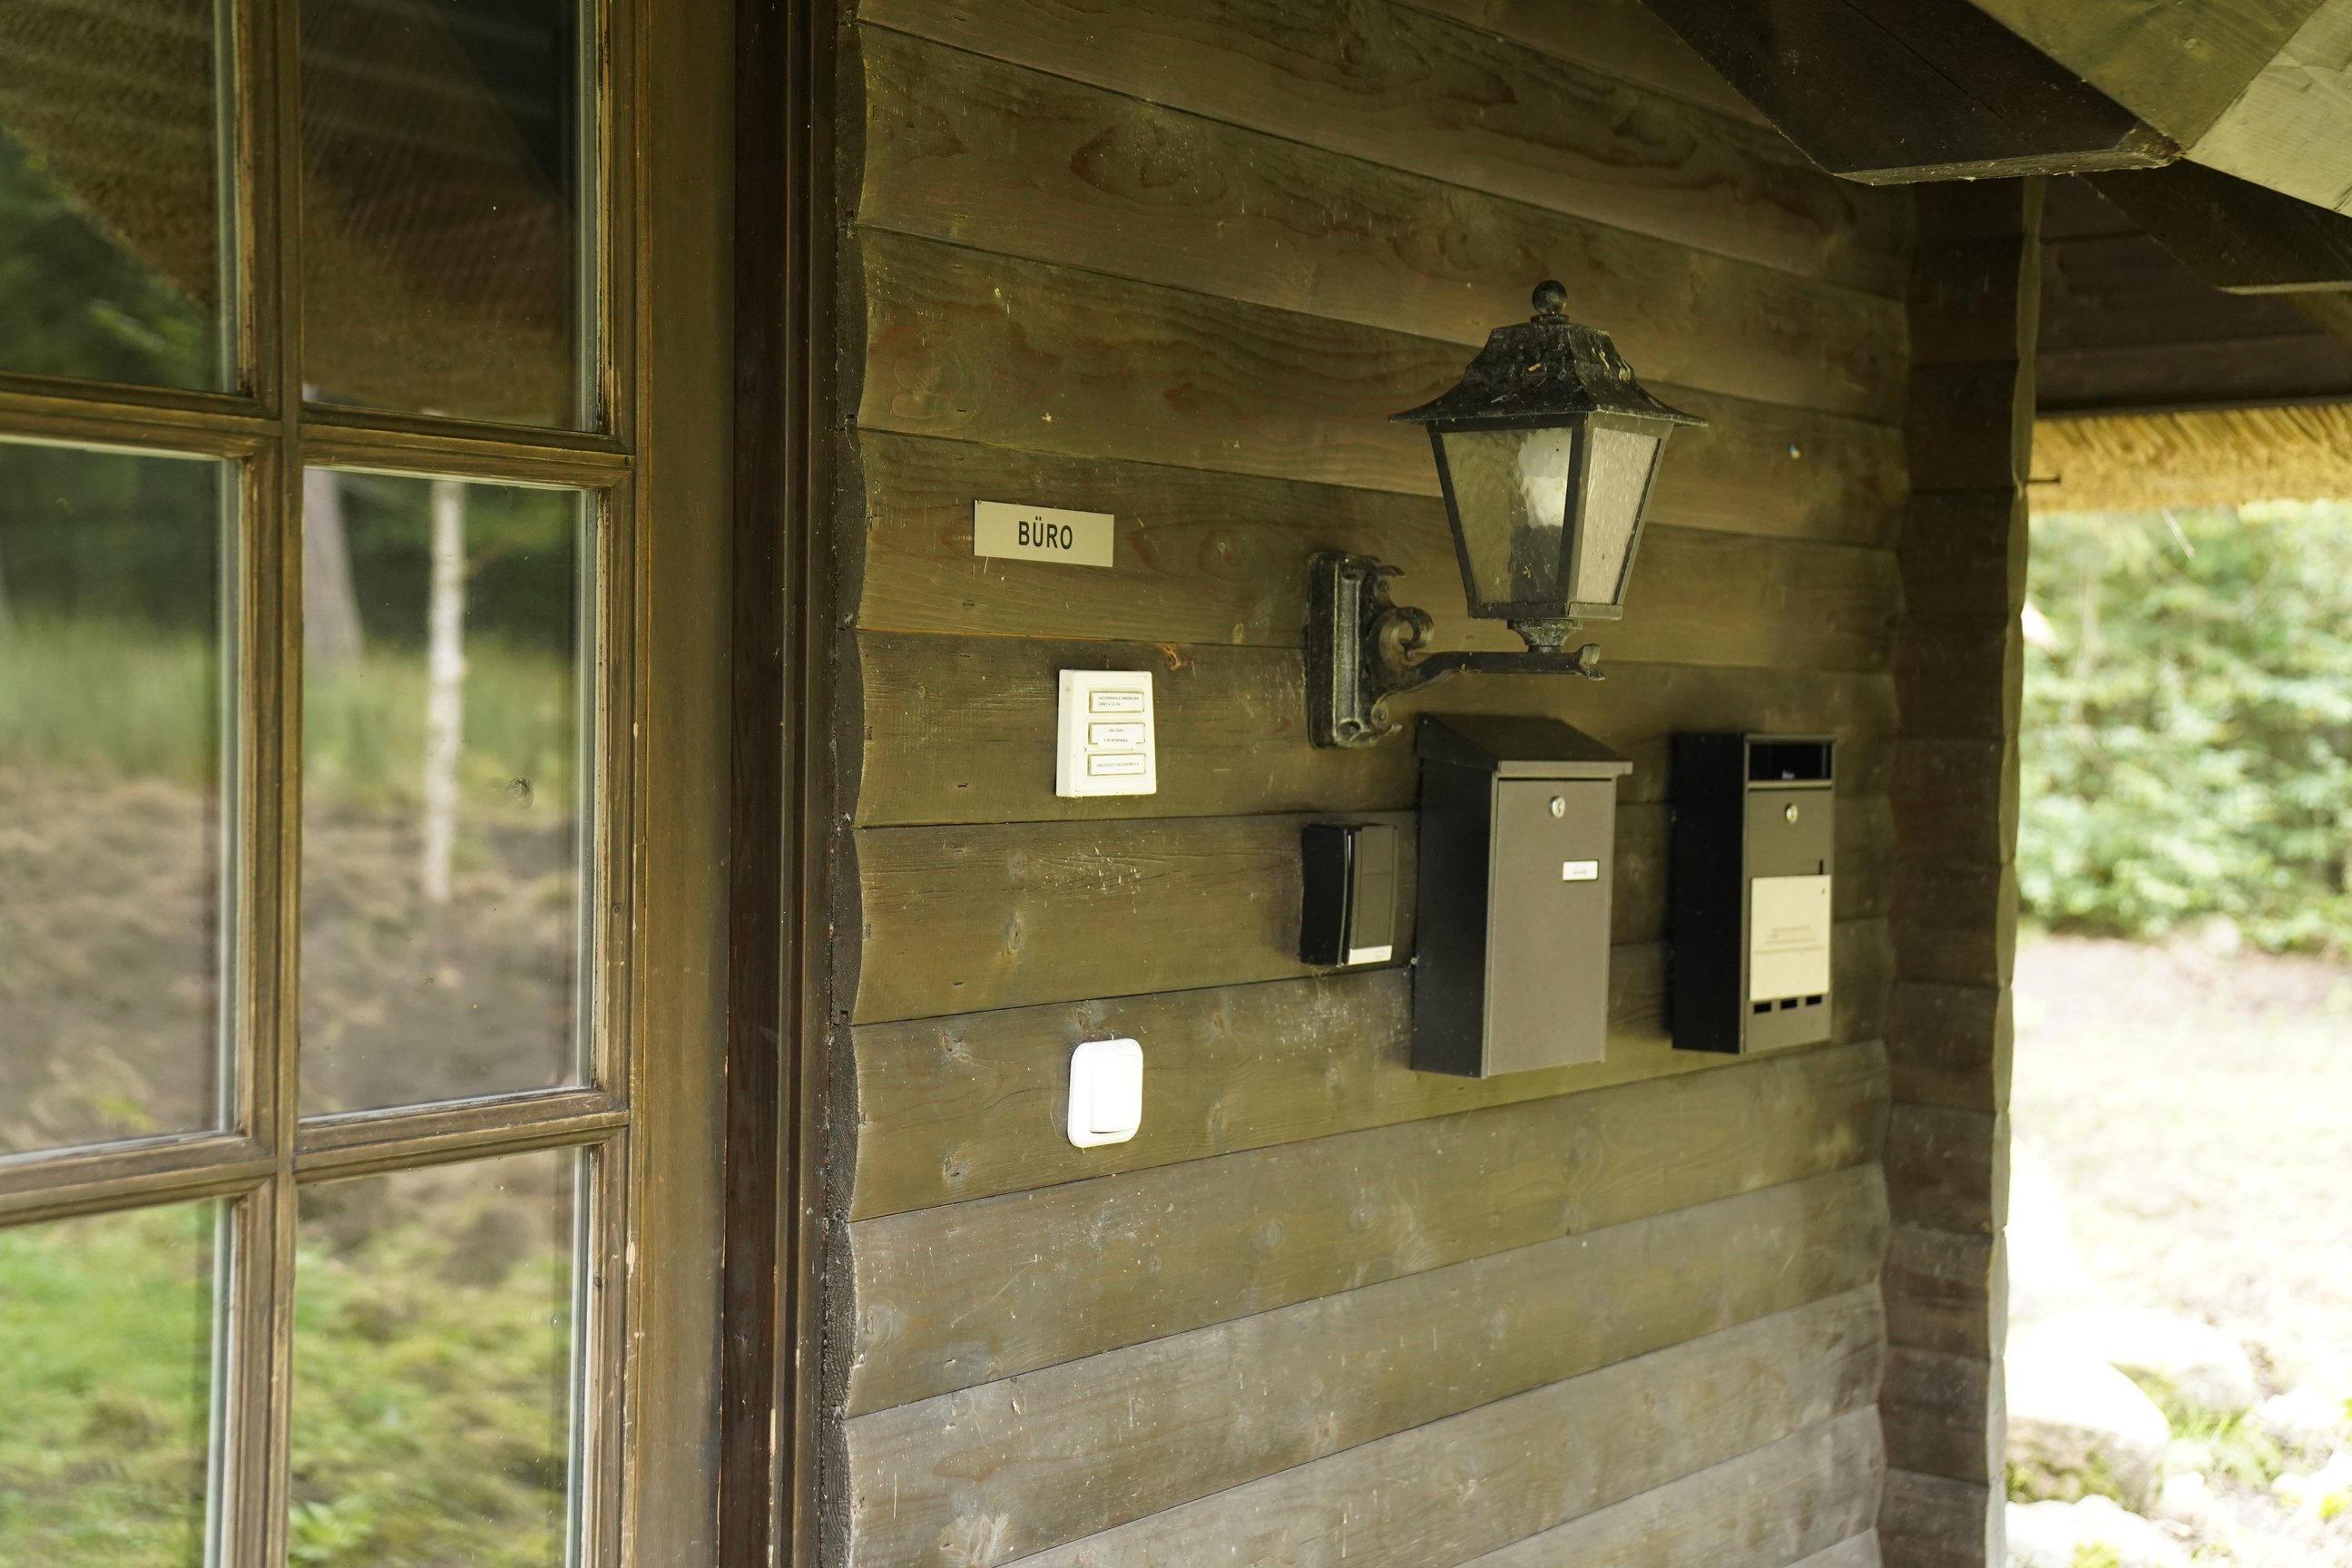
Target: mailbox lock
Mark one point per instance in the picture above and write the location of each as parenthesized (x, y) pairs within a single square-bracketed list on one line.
[(1559, 807), (1791, 813)]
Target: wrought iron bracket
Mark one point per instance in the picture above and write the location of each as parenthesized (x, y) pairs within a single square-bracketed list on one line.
[(1363, 647)]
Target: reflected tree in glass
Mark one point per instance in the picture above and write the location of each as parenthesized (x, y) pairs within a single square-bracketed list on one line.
[(111, 819), (111, 184), (442, 162), (106, 1388), (443, 782), (433, 1366)]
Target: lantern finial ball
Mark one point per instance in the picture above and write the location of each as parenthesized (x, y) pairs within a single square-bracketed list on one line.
[(1550, 300)]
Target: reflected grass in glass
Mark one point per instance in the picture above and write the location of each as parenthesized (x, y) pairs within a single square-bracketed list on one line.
[(433, 1346), (106, 1396)]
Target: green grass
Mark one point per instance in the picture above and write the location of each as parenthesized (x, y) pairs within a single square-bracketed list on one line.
[(125, 702), (431, 1345), (105, 1356), (95, 695)]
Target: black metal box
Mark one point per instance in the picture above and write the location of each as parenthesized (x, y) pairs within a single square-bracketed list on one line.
[(1755, 834), (1518, 820), (1349, 877)]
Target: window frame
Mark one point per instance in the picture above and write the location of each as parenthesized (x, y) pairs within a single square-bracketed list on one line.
[(651, 1116)]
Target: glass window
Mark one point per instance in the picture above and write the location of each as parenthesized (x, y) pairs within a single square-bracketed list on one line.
[(106, 1388), (443, 737), (111, 826), (112, 166), (444, 249), (433, 1366)]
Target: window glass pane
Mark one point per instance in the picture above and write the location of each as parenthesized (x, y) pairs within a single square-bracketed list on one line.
[(442, 239), (111, 190), (112, 827), (106, 1388), (433, 1355), (443, 734)]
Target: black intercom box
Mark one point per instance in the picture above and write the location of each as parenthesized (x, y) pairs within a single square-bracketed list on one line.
[(1519, 825), (1349, 910), (1755, 834)]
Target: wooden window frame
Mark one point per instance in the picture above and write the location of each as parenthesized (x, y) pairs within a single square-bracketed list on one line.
[(650, 1118)]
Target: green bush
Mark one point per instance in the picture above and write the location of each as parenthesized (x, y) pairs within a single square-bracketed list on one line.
[(2188, 733)]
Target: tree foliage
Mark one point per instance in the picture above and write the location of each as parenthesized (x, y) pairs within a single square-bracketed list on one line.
[(2188, 729)]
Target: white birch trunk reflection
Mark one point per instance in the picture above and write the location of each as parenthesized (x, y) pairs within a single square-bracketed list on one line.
[(444, 687), (330, 607)]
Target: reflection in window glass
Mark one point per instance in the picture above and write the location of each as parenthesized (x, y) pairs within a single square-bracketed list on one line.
[(433, 1350), (111, 188), (442, 789), (442, 235), (106, 1388), (110, 822)]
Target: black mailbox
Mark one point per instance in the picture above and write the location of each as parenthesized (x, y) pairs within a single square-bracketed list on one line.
[(1755, 836), (1518, 826)]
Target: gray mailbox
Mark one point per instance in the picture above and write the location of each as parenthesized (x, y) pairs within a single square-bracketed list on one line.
[(1754, 854), (1518, 826)]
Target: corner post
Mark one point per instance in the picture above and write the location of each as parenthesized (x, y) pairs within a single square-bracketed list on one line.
[(1974, 310)]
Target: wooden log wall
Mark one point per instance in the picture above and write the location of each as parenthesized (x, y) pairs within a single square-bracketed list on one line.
[(1960, 673), (1177, 260)]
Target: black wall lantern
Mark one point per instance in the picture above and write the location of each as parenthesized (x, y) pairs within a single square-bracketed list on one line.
[(1547, 449)]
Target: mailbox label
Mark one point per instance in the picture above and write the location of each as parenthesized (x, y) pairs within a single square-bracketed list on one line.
[(1788, 938)]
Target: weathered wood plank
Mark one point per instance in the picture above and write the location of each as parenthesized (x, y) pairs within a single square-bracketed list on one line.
[(1801, 1496), (960, 728), (963, 918), (1522, 1465), (1955, 1419), (966, 149), (1620, 38), (1698, 598), (1018, 353), (1861, 1552), (986, 1475), (1205, 557), (972, 1292), (1956, 922), (1416, 92), (1948, 1169), (1930, 1521), (962, 1108), (959, 919), (1955, 1044), (1946, 1291)]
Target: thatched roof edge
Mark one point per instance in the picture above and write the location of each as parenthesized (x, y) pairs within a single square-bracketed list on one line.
[(2227, 457)]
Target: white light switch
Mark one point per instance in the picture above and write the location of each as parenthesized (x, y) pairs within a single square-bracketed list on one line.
[(1104, 743), (1106, 1093)]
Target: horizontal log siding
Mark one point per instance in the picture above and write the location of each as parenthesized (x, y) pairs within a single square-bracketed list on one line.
[(1177, 261)]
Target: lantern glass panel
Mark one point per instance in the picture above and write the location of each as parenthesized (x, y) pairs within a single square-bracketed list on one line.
[(1509, 491), (1616, 480)]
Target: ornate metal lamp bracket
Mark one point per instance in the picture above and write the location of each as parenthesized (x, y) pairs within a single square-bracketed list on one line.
[(1363, 647)]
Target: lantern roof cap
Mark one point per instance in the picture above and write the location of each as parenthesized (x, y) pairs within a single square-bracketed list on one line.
[(1544, 369)]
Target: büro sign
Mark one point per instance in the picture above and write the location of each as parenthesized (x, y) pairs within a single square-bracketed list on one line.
[(1042, 534)]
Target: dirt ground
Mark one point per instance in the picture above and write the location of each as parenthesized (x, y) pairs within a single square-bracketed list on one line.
[(2196, 1105)]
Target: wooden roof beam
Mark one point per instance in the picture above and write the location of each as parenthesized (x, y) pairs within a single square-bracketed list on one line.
[(2258, 89), (2233, 234), (1890, 91)]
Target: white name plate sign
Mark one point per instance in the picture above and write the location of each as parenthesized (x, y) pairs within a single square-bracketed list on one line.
[(1042, 534)]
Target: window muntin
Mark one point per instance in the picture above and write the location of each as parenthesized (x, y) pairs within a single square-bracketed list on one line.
[(292, 416), (444, 720), (114, 158), (115, 618)]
